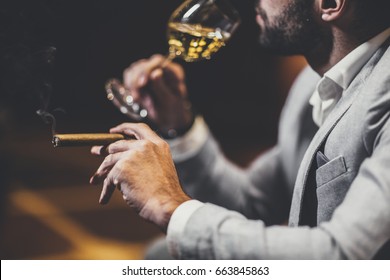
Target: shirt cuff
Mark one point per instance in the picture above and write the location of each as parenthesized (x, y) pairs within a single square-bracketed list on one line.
[(188, 145), (177, 224)]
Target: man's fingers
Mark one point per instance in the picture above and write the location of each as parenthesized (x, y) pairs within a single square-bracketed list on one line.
[(99, 151), (107, 191), (116, 147), (158, 84), (105, 168), (137, 75), (175, 77), (120, 146), (140, 131)]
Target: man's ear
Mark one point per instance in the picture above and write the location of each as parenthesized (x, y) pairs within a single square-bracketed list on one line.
[(332, 9)]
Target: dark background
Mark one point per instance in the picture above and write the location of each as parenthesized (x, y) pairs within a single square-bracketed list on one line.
[(75, 46), (58, 54)]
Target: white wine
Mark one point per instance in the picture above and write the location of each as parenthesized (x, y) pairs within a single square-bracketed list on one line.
[(196, 30), (194, 42)]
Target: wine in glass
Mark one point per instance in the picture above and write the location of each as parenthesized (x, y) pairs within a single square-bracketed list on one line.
[(197, 29)]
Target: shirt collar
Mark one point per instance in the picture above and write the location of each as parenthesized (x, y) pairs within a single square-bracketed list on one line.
[(346, 69), (332, 85)]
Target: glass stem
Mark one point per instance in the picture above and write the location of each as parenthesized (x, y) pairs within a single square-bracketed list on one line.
[(168, 59)]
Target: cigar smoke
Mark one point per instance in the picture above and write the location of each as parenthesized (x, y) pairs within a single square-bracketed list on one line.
[(27, 58), (45, 93), (33, 75), (49, 118)]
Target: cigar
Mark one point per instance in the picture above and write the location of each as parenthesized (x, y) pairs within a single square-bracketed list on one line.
[(85, 139)]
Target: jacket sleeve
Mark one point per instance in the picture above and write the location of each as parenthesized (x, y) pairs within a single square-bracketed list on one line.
[(262, 191), (359, 227), (257, 192)]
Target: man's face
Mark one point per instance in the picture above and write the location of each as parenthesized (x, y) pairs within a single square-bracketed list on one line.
[(288, 26)]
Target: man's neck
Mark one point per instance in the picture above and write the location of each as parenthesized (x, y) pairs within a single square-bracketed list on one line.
[(329, 53)]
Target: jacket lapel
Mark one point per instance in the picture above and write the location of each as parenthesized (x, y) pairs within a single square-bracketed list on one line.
[(320, 137)]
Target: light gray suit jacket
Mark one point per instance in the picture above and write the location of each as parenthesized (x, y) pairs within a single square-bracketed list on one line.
[(337, 180)]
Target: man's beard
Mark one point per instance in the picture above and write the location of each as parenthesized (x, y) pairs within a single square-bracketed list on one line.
[(294, 32)]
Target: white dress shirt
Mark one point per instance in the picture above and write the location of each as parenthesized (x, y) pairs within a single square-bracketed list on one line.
[(328, 92), (334, 82)]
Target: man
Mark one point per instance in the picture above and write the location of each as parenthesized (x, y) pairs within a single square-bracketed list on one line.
[(331, 162)]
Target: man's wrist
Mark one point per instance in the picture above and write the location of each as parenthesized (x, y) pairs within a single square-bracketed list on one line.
[(182, 125), (177, 224), (186, 146), (169, 208), (172, 133)]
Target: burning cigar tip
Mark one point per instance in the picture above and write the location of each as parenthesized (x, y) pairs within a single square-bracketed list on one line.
[(85, 139)]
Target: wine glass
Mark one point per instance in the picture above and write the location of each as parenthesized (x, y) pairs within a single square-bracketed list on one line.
[(196, 30)]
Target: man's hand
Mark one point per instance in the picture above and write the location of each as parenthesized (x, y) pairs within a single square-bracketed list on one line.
[(143, 170), (160, 88)]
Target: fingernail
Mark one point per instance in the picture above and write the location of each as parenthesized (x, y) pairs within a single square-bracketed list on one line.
[(142, 81), (102, 199), (156, 73)]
